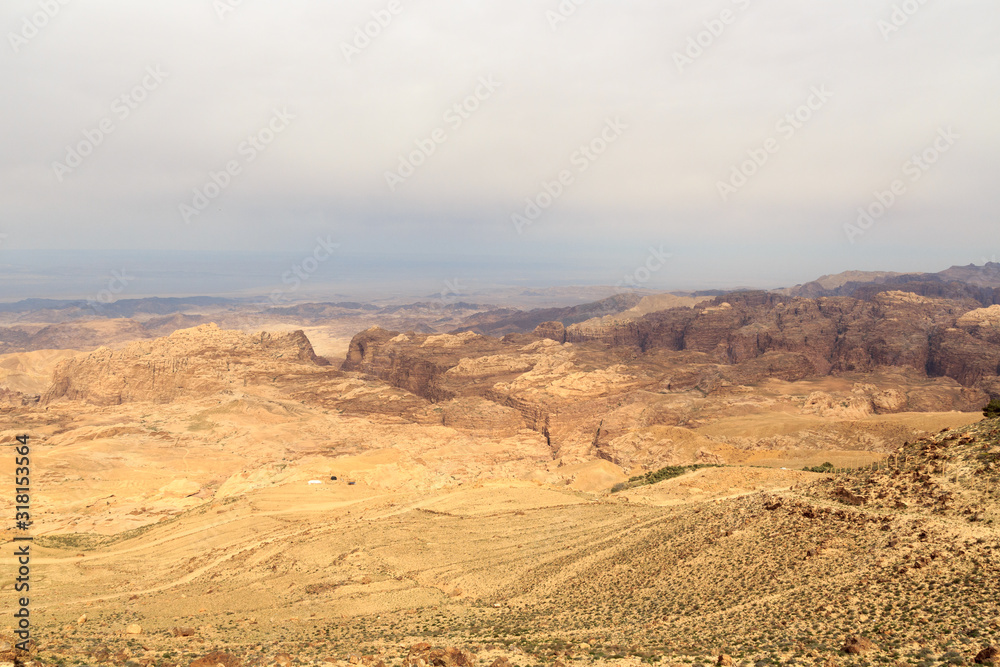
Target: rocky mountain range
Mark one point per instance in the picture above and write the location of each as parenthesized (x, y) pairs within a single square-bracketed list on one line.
[(747, 478), (979, 284)]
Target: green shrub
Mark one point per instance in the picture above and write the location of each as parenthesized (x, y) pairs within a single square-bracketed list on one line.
[(669, 472), (992, 409)]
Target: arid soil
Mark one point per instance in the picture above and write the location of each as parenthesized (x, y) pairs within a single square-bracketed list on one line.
[(432, 498)]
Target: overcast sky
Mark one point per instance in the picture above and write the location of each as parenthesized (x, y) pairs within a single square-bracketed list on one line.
[(670, 97)]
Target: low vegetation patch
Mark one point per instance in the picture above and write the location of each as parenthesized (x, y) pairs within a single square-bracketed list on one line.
[(663, 474)]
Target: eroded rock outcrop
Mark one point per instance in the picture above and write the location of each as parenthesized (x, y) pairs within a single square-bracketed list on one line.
[(939, 337), (195, 361)]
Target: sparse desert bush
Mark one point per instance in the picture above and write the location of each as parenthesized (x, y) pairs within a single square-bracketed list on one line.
[(825, 467), (992, 409), (953, 658), (668, 472)]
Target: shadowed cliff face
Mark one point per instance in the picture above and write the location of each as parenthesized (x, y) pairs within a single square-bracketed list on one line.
[(972, 285), (599, 390), (504, 321), (415, 362), (835, 335)]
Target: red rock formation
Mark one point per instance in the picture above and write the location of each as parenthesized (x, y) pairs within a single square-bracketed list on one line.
[(552, 330), (834, 334)]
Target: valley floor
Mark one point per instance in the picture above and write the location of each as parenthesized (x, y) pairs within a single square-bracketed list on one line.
[(525, 572)]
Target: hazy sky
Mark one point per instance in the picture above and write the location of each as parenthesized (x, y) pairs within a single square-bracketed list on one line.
[(312, 117)]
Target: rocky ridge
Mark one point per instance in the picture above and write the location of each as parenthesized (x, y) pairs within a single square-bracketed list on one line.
[(936, 337), (595, 398), (195, 361)]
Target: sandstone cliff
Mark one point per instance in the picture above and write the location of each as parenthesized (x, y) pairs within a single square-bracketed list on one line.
[(195, 361), (600, 395), (939, 337)]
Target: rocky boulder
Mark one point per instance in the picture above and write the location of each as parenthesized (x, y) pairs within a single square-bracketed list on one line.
[(857, 645), (424, 654), (988, 656)]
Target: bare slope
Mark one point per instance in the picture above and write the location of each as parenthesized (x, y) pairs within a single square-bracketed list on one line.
[(537, 574)]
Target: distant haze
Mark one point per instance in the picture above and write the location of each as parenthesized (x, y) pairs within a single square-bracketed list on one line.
[(214, 126)]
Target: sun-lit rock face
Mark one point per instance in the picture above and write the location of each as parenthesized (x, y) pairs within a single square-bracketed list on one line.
[(188, 362), (981, 318)]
